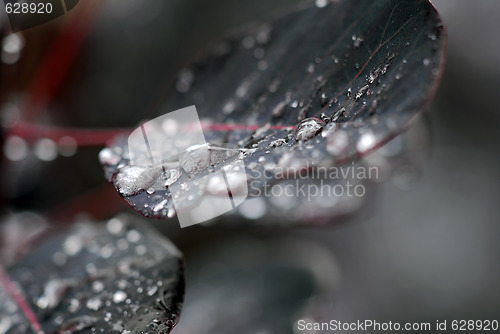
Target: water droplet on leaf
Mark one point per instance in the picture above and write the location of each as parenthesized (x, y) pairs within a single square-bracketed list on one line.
[(308, 128), (132, 180)]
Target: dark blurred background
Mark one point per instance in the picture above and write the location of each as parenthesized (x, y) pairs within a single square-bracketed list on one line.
[(428, 249)]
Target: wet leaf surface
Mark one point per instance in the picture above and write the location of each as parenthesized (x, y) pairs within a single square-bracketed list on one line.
[(118, 278), (315, 87), (320, 196)]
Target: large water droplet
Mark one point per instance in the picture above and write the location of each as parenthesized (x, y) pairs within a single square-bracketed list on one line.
[(171, 176), (135, 179), (308, 128), (199, 157)]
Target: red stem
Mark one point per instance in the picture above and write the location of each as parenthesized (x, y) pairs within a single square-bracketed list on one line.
[(102, 137), (18, 297), (59, 59), (83, 137)]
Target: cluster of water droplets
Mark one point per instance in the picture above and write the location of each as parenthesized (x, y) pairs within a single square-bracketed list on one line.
[(126, 273), (175, 178)]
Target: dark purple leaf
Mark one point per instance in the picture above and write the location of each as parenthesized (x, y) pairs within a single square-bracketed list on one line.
[(315, 87), (115, 278)]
